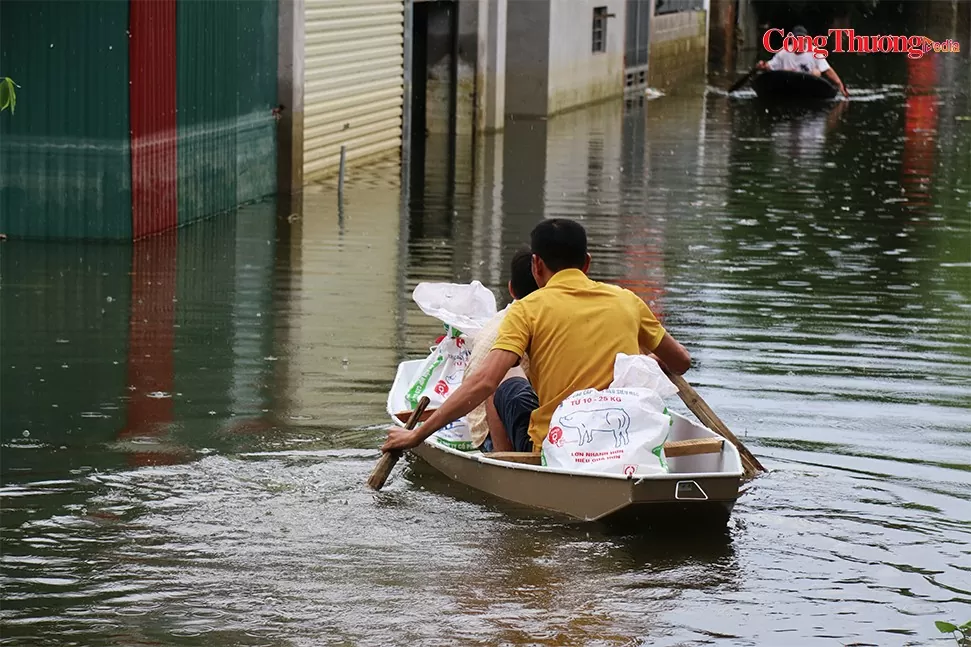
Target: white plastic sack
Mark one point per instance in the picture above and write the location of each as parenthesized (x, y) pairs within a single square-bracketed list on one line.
[(465, 306), (464, 309), (439, 375), (641, 372), (618, 430)]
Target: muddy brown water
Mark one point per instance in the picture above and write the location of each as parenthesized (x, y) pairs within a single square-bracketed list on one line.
[(187, 424)]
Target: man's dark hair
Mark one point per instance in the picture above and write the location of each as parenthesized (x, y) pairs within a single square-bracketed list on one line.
[(561, 243), (522, 279)]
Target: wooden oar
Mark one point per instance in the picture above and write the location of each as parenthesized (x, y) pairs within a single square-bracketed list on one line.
[(750, 464), (743, 80), (388, 459)]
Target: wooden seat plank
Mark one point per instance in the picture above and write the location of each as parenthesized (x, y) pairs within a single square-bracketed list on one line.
[(529, 458), (693, 447)]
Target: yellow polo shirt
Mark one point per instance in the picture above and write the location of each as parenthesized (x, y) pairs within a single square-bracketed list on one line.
[(572, 330)]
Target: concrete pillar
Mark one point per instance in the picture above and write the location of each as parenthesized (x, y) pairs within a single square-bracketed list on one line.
[(407, 106), (290, 51), (527, 58), (490, 80), (467, 53), (707, 8), (721, 36)]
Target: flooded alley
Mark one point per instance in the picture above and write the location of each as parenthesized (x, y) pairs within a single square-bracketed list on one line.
[(188, 420)]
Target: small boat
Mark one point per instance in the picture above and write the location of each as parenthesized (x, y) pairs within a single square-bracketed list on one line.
[(784, 85), (700, 488)]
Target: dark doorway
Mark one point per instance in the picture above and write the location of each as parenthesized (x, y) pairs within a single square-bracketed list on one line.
[(434, 71)]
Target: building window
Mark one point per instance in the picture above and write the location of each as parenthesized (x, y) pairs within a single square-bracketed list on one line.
[(599, 29)]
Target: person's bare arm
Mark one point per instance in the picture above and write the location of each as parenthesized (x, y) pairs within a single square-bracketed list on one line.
[(773, 63), (671, 355), (834, 77), (473, 391)]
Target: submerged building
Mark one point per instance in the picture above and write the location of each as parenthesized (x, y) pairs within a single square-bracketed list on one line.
[(137, 116)]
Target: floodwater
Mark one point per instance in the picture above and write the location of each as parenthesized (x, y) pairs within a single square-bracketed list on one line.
[(188, 423)]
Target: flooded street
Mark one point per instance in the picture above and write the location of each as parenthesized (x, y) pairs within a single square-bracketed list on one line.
[(188, 422)]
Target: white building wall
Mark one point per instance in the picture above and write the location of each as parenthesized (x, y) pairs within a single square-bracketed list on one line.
[(577, 75)]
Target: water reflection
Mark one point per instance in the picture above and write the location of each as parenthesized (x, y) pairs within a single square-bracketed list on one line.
[(151, 345), (202, 408), (920, 130), (338, 316)]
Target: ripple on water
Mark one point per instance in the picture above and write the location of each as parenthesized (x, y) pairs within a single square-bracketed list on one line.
[(814, 263)]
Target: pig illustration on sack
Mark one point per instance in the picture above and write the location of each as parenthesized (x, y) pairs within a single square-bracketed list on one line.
[(587, 422), (632, 409)]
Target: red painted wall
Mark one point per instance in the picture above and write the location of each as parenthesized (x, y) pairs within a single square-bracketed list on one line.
[(152, 47)]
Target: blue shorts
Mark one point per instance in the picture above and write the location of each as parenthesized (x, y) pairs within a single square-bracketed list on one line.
[(515, 400)]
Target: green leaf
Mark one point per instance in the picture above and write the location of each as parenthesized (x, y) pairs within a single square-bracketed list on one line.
[(8, 94), (965, 626), (945, 627)]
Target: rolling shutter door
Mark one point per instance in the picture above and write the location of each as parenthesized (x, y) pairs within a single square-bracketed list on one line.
[(353, 81)]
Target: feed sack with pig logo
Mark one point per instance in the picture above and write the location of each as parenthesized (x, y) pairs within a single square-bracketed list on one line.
[(468, 306), (440, 374), (618, 430)]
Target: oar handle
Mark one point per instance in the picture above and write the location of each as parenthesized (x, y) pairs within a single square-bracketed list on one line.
[(388, 459)]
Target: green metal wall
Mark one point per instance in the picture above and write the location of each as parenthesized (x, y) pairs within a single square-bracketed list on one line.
[(65, 164), (226, 90), (64, 156)]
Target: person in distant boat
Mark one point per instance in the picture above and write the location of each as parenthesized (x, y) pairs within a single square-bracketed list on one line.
[(485, 424), (572, 329), (802, 61)]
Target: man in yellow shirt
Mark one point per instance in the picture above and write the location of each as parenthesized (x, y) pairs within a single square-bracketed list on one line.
[(572, 329)]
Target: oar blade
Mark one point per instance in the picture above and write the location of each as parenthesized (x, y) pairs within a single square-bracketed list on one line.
[(742, 81), (386, 463)]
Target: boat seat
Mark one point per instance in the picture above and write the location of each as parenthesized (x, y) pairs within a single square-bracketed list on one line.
[(529, 458), (693, 446), (673, 449)]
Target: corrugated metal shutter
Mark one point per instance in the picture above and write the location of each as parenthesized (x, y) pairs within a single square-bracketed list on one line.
[(353, 81)]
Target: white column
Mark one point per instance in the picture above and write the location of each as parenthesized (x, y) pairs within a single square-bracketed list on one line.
[(490, 82), (290, 53)]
